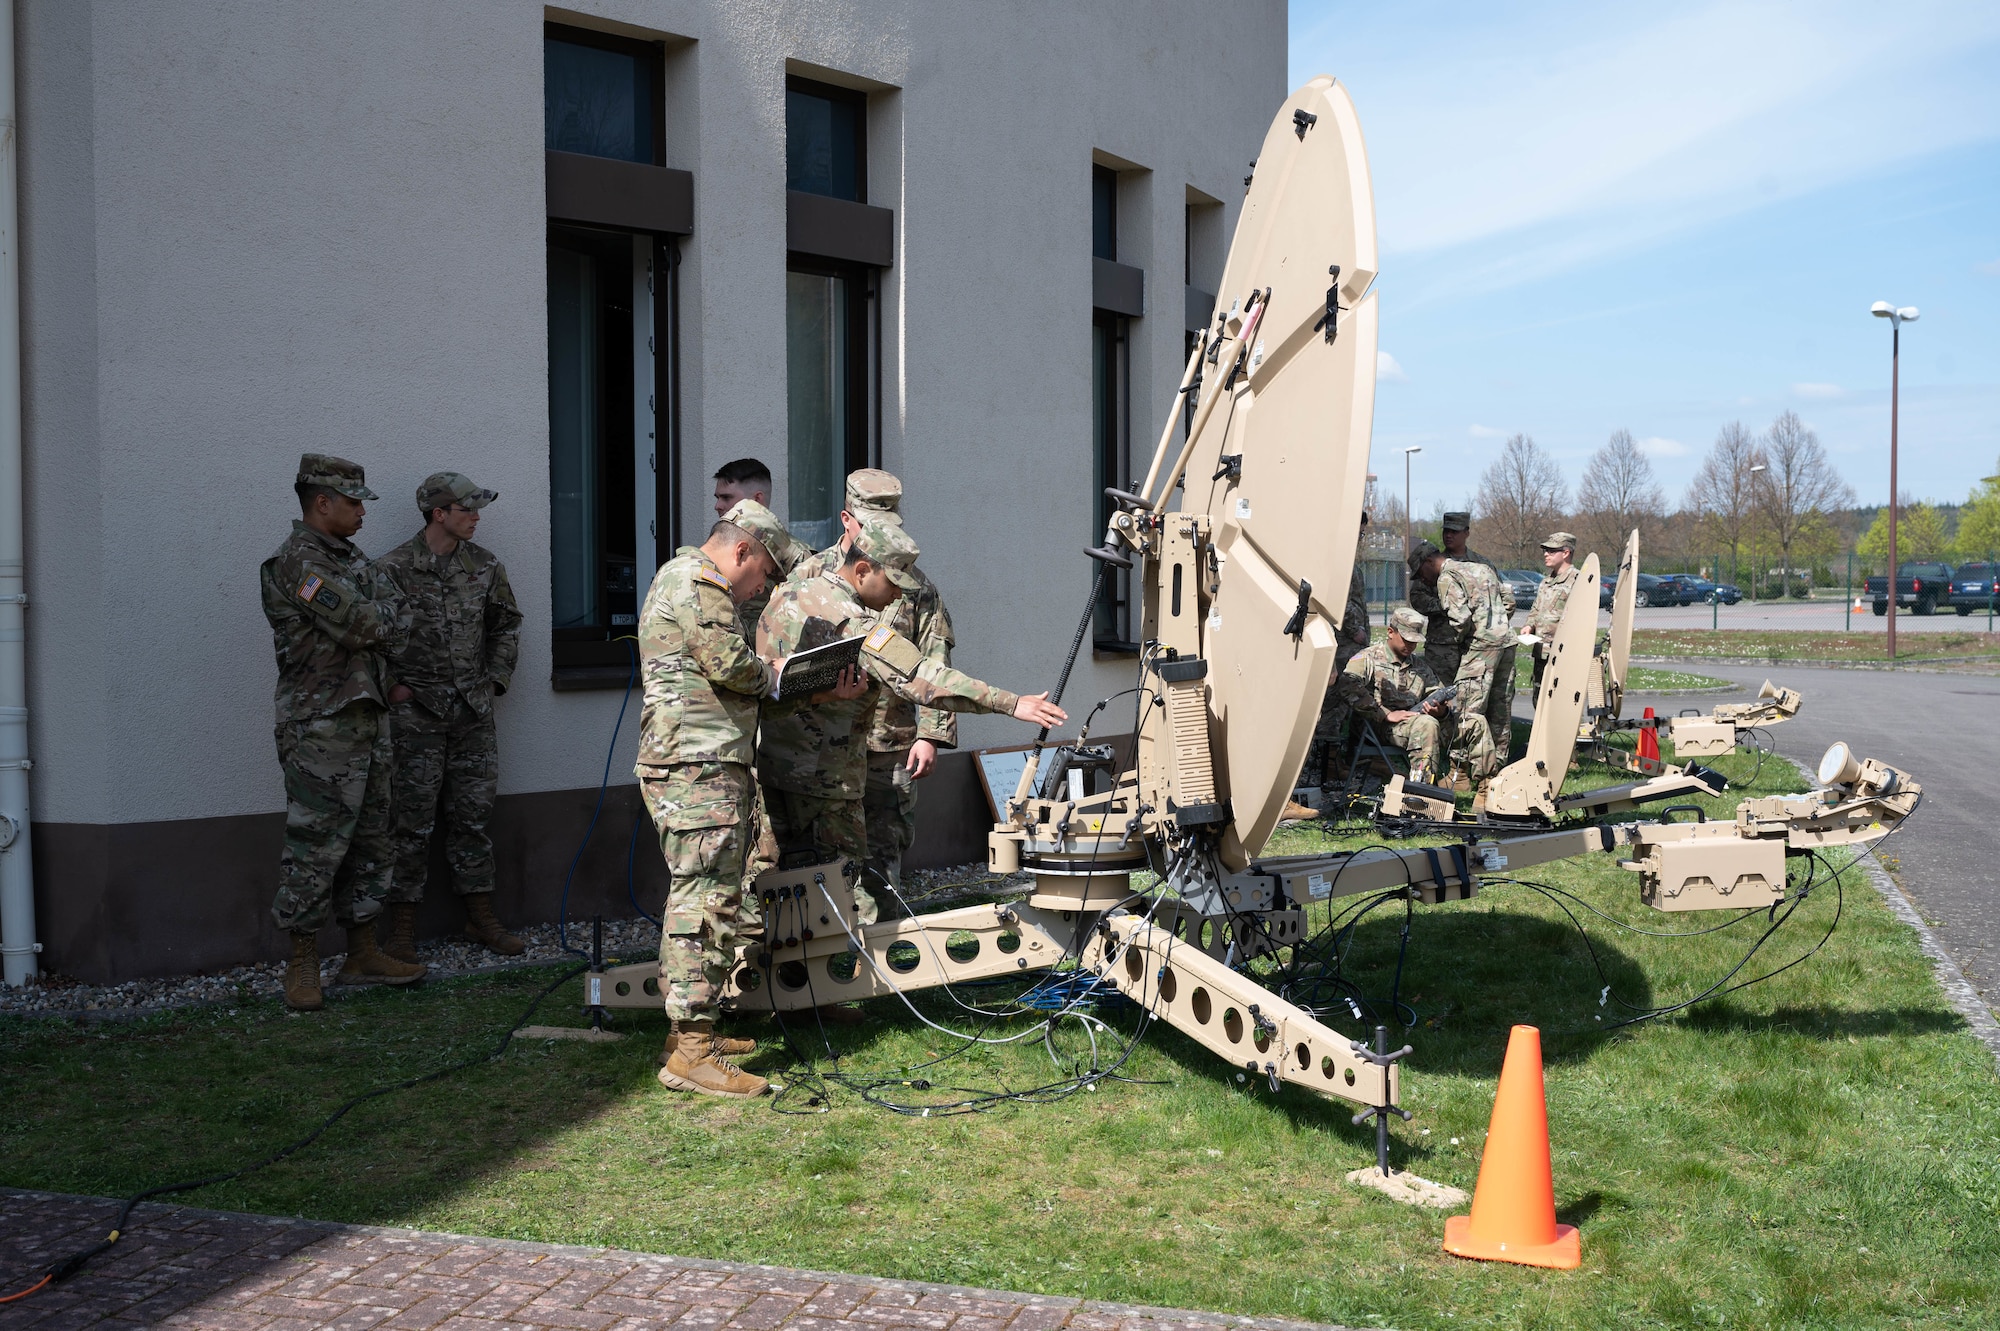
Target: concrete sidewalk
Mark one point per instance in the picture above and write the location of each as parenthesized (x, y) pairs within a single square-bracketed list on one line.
[(221, 1271)]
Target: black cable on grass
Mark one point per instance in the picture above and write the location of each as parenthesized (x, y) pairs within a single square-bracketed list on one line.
[(68, 1266), (1779, 912)]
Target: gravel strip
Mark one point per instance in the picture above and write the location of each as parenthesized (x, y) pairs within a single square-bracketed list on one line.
[(59, 996)]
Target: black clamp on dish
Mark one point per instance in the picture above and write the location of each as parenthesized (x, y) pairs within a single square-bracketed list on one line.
[(1228, 467), (1303, 120), (1295, 627), (1327, 322), (1381, 1058)]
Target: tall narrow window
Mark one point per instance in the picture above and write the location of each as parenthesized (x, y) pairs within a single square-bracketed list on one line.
[(1113, 628), (1104, 212), (826, 315), (607, 291)]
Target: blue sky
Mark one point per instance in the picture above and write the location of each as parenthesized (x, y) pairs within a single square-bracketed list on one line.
[(1665, 218)]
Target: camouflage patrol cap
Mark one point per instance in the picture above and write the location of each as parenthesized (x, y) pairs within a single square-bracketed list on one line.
[(872, 492), (442, 489), (1560, 540), (888, 545), (1419, 552), (1410, 624), (336, 474), (1458, 522), (770, 533)]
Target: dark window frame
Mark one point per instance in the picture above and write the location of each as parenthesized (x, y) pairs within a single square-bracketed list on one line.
[(854, 97), (594, 657), (654, 53), (1111, 461)]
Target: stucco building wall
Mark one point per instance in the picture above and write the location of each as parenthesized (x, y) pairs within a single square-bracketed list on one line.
[(252, 230)]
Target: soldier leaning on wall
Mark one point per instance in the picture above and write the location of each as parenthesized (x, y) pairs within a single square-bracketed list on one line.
[(334, 619)]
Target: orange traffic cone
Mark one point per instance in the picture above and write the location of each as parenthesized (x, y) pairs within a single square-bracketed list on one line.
[(1514, 1203), (1649, 739)]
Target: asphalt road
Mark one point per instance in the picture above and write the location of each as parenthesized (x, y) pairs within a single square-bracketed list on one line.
[(1944, 730)]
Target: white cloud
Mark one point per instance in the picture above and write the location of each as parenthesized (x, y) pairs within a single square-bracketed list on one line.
[(1991, 268), (1388, 371), (1658, 447), (1819, 392), (1486, 432)]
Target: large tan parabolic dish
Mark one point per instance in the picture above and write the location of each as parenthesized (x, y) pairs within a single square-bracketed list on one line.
[(1301, 420)]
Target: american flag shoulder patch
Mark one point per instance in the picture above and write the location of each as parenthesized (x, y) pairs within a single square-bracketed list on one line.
[(310, 587), (879, 638), (713, 579)]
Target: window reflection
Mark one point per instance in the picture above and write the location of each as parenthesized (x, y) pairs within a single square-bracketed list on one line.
[(597, 101)]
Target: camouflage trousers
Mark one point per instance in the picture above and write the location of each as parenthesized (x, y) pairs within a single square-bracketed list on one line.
[(458, 758), (338, 852), (891, 808), (828, 827), (1422, 736), (1485, 682), (706, 815)]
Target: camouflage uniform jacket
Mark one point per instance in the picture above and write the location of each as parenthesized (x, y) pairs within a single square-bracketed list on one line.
[(1550, 598), (1378, 682), (1353, 634), (464, 628), (919, 616), (1477, 605), (1428, 601), (819, 749), (703, 683), (333, 618)]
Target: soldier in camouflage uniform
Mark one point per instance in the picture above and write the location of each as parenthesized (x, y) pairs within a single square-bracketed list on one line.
[(812, 756), (747, 478), (333, 617), (1456, 529), (1552, 596), (1330, 733), (697, 736), (464, 636), (1478, 608), (904, 739), (1387, 680)]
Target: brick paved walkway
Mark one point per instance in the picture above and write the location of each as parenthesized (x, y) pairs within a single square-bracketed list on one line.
[(219, 1271)]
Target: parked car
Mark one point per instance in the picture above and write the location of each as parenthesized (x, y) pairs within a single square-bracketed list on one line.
[(1703, 589), (1673, 589), (1973, 587), (1524, 583), (1922, 587), (1654, 590), (1726, 592)]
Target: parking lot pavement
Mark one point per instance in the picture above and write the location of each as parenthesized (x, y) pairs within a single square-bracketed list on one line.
[(1945, 731), (1818, 616)]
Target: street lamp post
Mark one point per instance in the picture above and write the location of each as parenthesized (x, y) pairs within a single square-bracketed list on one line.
[(1754, 472), (1409, 518), (1882, 309)]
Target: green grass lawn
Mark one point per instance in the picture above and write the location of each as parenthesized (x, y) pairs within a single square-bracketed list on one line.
[(1809, 645), (1815, 1151)]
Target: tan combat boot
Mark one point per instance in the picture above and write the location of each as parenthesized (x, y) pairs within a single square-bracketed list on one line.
[(729, 1046), (482, 927), (1297, 812), (368, 964), (1460, 782), (302, 992), (402, 941), (696, 1064), (1479, 800)]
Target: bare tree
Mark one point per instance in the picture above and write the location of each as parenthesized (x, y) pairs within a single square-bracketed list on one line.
[(1799, 489), (1724, 492), (1617, 493), (1521, 500)]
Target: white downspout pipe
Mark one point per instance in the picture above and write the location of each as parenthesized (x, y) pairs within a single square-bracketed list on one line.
[(17, 865)]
